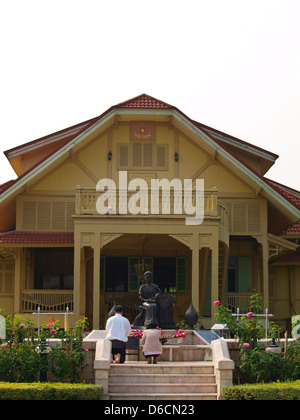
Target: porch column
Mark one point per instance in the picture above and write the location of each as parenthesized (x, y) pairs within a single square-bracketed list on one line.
[(195, 272), (214, 275), (265, 270), (96, 284), (17, 280), (77, 272)]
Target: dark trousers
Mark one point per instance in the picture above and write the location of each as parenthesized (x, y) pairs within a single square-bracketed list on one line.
[(118, 347)]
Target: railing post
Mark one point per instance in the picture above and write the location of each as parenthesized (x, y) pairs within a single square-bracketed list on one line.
[(267, 323), (67, 319), (39, 312), (78, 199)]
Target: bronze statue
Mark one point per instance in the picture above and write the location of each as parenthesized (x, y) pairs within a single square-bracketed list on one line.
[(156, 308)]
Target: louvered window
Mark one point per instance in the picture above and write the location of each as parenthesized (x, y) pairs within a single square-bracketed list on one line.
[(244, 217), (6, 278), (48, 216), (142, 155)]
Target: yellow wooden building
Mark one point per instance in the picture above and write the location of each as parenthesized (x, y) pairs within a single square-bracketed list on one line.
[(57, 251)]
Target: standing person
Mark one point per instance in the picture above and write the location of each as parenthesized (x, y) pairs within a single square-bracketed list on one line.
[(117, 330), (151, 342)]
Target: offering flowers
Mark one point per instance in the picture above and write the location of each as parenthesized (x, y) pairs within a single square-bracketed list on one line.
[(136, 333), (161, 332), (179, 334)]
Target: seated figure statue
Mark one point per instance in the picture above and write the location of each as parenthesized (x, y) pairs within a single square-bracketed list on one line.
[(155, 308)]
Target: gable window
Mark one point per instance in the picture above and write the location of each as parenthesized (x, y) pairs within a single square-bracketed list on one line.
[(142, 155)]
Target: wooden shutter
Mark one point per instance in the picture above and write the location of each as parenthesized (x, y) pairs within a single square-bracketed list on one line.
[(254, 218), (43, 215), (239, 214), (6, 278), (58, 216), (207, 300), (243, 274), (70, 210), (161, 157), (133, 282), (29, 215), (148, 155), (123, 156), (181, 274), (137, 155)]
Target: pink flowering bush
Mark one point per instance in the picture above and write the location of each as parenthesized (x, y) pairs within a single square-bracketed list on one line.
[(20, 359)]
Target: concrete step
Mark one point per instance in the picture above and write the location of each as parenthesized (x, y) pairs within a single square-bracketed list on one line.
[(163, 388), (165, 380), (155, 397), (163, 368), (145, 378)]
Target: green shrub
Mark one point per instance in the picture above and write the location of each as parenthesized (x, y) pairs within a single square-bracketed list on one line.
[(275, 391), (20, 356), (19, 362), (49, 391)]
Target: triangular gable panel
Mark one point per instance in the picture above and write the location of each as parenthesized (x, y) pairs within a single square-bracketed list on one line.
[(64, 178), (226, 182)]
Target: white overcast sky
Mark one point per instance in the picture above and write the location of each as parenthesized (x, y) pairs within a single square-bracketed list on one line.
[(231, 64)]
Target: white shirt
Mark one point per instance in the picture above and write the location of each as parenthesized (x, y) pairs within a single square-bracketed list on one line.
[(117, 328)]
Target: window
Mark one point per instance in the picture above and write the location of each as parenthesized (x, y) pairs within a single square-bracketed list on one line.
[(142, 155), (238, 275), (120, 274), (6, 278), (54, 268)]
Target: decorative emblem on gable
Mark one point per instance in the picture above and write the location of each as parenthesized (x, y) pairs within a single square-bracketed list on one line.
[(142, 130)]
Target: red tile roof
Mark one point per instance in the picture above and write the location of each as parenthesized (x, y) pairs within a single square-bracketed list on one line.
[(293, 230), (144, 101), (23, 237), (6, 185), (289, 194)]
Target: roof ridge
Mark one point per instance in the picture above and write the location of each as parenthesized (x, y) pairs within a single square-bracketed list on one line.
[(144, 101)]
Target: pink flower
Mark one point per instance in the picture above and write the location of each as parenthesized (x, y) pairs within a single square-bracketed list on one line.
[(179, 333), (52, 332), (22, 326), (216, 302), (246, 345), (136, 333), (249, 314)]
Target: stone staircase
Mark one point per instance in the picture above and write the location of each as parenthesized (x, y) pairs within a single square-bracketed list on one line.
[(162, 381)]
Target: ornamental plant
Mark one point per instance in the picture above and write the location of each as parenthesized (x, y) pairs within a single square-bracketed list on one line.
[(248, 329), (256, 363), (20, 358)]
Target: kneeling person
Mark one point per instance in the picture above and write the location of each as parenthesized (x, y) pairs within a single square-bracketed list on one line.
[(117, 331)]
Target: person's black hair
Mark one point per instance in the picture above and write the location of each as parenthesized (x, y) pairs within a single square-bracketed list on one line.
[(118, 309), (151, 326)]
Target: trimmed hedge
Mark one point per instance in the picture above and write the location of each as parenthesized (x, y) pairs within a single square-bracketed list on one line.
[(274, 391), (49, 391)]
